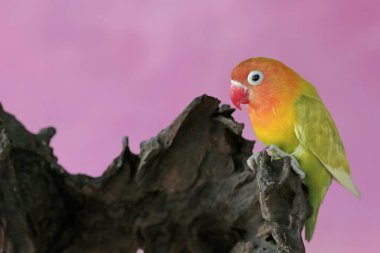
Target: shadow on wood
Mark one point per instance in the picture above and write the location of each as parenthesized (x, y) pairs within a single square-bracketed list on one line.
[(189, 190)]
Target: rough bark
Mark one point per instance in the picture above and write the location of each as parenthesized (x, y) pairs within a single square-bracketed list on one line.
[(189, 190)]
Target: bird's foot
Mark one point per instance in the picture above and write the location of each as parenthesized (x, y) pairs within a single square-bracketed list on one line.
[(252, 160), (276, 153)]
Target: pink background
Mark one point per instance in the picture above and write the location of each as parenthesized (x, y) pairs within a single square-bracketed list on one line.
[(98, 71)]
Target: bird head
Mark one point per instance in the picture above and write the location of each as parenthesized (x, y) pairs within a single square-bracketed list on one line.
[(262, 81)]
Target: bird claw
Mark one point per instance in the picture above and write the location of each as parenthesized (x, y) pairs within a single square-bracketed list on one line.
[(276, 153), (252, 160)]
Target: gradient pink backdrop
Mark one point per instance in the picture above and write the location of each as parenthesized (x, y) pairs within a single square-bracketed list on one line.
[(98, 71)]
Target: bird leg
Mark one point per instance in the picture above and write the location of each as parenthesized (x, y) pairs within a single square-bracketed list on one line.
[(276, 152), (252, 160)]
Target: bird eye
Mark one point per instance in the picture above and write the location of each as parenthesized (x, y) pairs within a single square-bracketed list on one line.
[(255, 77)]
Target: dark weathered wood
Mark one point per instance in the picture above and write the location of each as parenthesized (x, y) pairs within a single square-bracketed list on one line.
[(189, 190)]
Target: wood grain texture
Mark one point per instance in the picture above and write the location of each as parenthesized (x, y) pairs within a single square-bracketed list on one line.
[(189, 190)]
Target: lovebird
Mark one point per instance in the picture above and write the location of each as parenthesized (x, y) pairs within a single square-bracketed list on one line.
[(288, 116)]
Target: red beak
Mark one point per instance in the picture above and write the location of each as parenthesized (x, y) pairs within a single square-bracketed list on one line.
[(238, 94)]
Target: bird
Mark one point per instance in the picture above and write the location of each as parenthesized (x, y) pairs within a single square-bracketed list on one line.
[(290, 118)]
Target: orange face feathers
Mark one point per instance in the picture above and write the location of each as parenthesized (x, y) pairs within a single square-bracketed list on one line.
[(262, 83)]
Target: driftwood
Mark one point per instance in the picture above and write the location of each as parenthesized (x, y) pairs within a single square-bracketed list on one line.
[(189, 190)]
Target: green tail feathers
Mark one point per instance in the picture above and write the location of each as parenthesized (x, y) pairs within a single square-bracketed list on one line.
[(311, 222), (317, 191), (310, 227), (318, 183), (317, 180)]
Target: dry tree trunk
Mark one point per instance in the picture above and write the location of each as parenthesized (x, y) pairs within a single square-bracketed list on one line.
[(188, 191)]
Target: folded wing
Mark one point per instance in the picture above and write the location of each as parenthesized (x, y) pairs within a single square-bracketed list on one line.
[(317, 132)]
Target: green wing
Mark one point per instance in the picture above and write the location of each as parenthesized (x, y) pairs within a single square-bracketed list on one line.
[(316, 130)]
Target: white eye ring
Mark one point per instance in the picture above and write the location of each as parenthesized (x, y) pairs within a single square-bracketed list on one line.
[(255, 77)]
